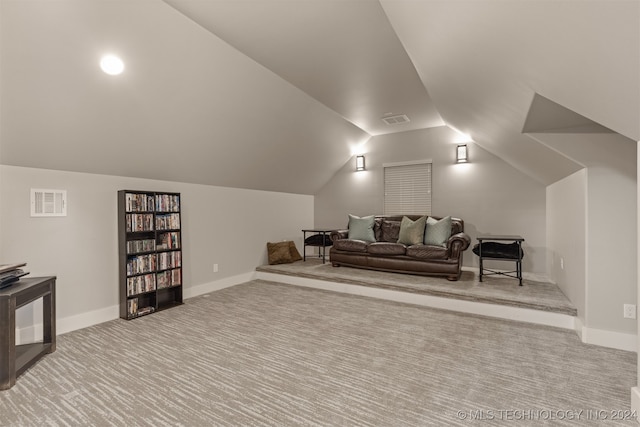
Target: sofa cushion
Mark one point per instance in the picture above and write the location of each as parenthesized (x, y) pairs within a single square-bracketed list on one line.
[(386, 248), (412, 232), (427, 252), (390, 230), (361, 228), (350, 245), (437, 232)]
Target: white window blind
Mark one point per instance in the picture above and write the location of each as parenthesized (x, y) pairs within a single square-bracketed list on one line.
[(407, 188)]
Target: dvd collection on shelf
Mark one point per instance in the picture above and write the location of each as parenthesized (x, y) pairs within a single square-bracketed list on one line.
[(167, 203), (142, 245), (169, 278), (140, 202), (140, 264), (170, 240), (168, 221), (139, 222), (150, 252), (140, 284)]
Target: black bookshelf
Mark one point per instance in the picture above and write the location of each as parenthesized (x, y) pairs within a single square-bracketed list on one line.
[(150, 252)]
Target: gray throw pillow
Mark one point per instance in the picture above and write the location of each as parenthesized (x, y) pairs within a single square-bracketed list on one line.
[(361, 228), (411, 232), (437, 232)]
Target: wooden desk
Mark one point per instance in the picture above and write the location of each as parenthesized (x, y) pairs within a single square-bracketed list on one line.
[(15, 360)]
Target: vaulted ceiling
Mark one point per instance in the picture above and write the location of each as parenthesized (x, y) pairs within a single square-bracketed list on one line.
[(278, 94)]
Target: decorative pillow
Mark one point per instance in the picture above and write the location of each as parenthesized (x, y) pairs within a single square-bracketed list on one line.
[(437, 233), (390, 231), (279, 253), (361, 228), (293, 251), (411, 232)]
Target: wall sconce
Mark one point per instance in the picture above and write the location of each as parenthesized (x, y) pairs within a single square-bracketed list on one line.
[(461, 154), (359, 163)]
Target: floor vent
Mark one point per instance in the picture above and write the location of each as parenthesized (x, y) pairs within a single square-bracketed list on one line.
[(396, 120), (48, 202)]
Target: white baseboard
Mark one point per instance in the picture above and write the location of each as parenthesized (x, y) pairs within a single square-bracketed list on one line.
[(492, 310), (227, 282), (84, 320), (33, 333), (618, 340)]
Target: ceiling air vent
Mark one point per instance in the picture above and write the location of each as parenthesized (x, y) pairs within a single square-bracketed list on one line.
[(48, 202), (396, 120)]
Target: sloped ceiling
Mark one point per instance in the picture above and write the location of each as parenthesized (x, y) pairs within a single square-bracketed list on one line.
[(277, 95), (343, 53), (483, 62), (548, 117), (188, 107)]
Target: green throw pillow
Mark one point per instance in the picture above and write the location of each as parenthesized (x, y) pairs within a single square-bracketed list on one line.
[(361, 228), (437, 232), (411, 232)]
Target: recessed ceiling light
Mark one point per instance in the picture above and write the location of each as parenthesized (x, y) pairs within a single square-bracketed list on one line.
[(112, 65)]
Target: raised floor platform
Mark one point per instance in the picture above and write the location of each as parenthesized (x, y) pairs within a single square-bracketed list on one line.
[(535, 302)]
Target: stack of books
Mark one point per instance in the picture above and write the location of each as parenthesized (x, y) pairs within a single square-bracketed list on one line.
[(11, 273)]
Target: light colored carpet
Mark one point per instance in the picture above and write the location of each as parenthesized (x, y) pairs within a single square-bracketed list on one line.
[(268, 354), (536, 295)]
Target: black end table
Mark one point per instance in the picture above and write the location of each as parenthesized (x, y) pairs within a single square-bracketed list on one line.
[(325, 233), (518, 260), (14, 360)]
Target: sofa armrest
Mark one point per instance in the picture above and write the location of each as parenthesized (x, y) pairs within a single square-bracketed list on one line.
[(457, 244), (339, 234)]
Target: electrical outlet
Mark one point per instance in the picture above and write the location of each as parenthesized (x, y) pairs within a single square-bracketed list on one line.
[(562, 263), (215, 268), (629, 311)]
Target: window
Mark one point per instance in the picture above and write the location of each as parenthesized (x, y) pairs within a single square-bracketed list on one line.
[(407, 188)]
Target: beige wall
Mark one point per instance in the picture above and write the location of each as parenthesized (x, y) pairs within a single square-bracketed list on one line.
[(567, 237), (611, 249), (229, 227), (610, 271), (488, 194), (592, 224)]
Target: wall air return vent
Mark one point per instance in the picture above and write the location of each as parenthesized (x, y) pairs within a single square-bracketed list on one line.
[(396, 120), (48, 202)]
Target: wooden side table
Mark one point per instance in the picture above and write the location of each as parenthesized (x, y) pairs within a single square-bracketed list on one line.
[(325, 233), (15, 360), (518, 259)]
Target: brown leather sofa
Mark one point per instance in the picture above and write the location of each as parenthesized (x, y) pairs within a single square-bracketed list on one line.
[(386, 254)]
